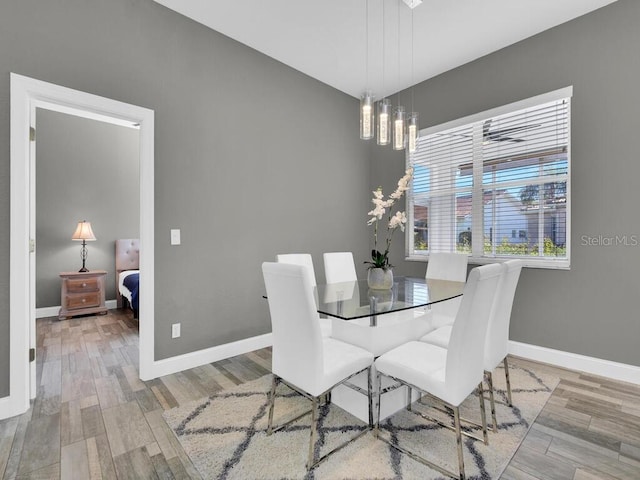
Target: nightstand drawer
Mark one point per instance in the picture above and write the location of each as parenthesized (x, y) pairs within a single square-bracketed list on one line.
[(82, 293), (80, 285), (83, 301)]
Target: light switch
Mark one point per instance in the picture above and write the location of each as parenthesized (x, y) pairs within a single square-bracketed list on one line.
[(175, 236), (175, 330)]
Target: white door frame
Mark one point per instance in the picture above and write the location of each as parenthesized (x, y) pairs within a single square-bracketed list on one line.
[(27, 94)]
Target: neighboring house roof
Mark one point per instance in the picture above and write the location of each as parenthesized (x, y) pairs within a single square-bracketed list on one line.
[(464, 206)]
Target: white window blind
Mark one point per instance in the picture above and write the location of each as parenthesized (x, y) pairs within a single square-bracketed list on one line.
[(495, 185)]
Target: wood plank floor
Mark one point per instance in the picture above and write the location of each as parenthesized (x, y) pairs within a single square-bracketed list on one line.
[(93, 418)]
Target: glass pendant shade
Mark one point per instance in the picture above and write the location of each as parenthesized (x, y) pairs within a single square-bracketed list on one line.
[(412, 132), (384, 122), (366, 116), (399, 128)]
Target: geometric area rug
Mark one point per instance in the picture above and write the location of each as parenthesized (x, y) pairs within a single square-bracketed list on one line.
[(225, 435)]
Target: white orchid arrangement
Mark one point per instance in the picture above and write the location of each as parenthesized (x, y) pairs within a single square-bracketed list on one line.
[(395, 220)]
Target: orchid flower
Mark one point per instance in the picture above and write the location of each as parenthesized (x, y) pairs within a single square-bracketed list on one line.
[(398, 220), (384, 206)]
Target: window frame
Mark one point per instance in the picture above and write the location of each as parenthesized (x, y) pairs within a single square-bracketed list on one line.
[(474, 258)]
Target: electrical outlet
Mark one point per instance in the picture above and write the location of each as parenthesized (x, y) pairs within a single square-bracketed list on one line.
[(175, 330)]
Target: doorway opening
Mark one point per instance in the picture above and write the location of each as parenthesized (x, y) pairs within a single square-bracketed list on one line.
[(27, 95)]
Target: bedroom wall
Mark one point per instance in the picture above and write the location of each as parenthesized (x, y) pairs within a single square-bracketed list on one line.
[(85, 170), (591, 309), (252, 158)]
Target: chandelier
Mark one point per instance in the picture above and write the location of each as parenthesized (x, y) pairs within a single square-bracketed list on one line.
[(390, 125)]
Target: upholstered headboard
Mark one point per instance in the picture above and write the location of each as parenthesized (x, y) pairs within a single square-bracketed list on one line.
[(127, 258)]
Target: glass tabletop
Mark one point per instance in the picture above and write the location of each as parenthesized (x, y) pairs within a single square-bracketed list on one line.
[(351, 300)]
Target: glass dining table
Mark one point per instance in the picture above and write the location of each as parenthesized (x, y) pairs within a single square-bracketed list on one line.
[(355, 300), (378, 321)]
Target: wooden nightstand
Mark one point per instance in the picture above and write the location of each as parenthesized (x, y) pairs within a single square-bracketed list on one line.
[(82, 293)]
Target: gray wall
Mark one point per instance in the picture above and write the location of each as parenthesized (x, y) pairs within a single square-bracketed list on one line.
[(591, 309), (85, 170), (252, 158)]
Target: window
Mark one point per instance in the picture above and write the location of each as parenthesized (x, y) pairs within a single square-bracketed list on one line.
[(495, 185)]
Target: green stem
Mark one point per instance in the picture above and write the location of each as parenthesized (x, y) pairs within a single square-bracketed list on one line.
[(375, 236)]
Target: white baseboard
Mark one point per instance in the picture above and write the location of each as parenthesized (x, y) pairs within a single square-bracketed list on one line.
[(53, 311), (9, 409), (573, 361), (592, 365), (201, 357), (47, 312)]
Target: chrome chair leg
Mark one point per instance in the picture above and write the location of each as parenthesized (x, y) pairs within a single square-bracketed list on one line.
[(314, 458), (314, 430), (272, 399), (409, 395), (456, 424), (492, 402), (370, 395), (483, 414), (376, 427), (456, 428), (506, 374)]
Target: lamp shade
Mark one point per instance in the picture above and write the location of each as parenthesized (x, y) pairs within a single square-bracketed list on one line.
[(83, 232)]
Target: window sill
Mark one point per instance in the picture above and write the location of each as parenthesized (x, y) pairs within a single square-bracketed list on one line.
[(529, 262)]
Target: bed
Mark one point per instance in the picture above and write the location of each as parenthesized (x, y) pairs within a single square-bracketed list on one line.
[(127, 273)]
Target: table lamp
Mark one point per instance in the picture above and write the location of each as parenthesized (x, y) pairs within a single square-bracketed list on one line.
[(83, 232)]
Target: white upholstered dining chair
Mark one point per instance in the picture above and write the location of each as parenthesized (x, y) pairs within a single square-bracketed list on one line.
[(497, 339), (497, 342), (339, 267), (446, 266), (305, 260), (441, 266), (449, 375), (302, 358), (394, 328)]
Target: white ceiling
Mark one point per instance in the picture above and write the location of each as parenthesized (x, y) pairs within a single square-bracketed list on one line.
[(327, 39)]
